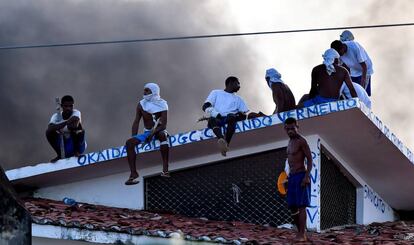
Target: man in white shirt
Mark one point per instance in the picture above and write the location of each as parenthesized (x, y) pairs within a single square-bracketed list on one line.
[(65, 128), (361, 93), (225, 107), (357, 61)]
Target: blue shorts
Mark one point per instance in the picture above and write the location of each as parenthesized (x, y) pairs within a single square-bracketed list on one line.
[(142, 137), (69, 146), (368, 81), (318, 100), (298, 196)]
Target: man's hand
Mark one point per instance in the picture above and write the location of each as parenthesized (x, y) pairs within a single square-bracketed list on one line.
[(306, 180), (72, 122), (149, 138)]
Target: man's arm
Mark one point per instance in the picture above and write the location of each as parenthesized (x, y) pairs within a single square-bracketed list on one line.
[(135, 124), (73, 120), (162, 125), (364, 73), (314, 84), (206, 105), (349, 84), (308, 155)]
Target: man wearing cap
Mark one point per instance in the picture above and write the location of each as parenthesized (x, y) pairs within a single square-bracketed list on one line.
[(152, 109), (282, 95), (327, 79)]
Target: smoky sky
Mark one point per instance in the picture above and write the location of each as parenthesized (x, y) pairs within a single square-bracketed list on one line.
[(107, 80)]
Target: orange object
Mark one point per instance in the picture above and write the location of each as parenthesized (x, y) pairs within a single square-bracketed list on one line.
[(281, 183)]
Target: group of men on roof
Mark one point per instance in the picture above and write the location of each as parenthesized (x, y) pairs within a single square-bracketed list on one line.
[(345, 73)]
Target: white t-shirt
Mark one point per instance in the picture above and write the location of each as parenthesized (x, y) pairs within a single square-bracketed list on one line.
[(361, 93), (354, 55), (226, 103), (56, 118)]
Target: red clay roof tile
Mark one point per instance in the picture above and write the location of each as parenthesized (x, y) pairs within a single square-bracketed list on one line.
[(138, 222)]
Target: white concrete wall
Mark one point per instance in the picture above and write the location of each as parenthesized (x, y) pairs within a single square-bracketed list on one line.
[(111, 191), (370, 206), (314, 211), (57, 235)]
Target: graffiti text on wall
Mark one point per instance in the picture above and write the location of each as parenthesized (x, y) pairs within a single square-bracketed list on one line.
[(203, 134), (376, 200)]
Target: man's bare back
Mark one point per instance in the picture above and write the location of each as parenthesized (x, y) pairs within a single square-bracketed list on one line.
[(328, 86)]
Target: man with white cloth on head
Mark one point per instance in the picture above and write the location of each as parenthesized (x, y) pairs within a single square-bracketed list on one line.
[(327, 79), (152, 109), (225, 107), (357, 61), (282, 95)]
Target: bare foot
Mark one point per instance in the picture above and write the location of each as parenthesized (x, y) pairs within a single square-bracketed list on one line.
[(55, 159), (301, 238)]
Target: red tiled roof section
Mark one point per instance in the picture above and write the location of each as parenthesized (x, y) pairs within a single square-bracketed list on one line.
[(136, 222)]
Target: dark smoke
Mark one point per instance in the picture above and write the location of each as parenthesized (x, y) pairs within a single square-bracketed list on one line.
[(106, 80)]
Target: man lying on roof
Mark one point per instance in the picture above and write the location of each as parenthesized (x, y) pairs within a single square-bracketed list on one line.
[(327, 79)]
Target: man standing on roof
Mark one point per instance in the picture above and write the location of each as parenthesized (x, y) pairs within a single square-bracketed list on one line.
[(282, 95), (225, 107), (327, 80), (65, 128), (299, 192), (357, 61), (346, 36), (152, 109)]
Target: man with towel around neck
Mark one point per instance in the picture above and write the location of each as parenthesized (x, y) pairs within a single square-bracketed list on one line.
[(153, 111), (327, 79), (282, 95)]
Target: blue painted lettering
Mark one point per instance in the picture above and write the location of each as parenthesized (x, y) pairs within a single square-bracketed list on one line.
[(323, 109), (190, 137), (311, 216), (299, 114), (182, 139), (351, 103), (101, 156), (82, 160), (331, 108), (267, 121), (246, 124), (256, 123), (314, 111), (172, 140), (340, 105), (90, 157), (115, 152)]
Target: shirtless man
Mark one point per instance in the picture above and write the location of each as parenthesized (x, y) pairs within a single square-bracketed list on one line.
[(327, 79), (282, 95), (153, 111), (298, 193)]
